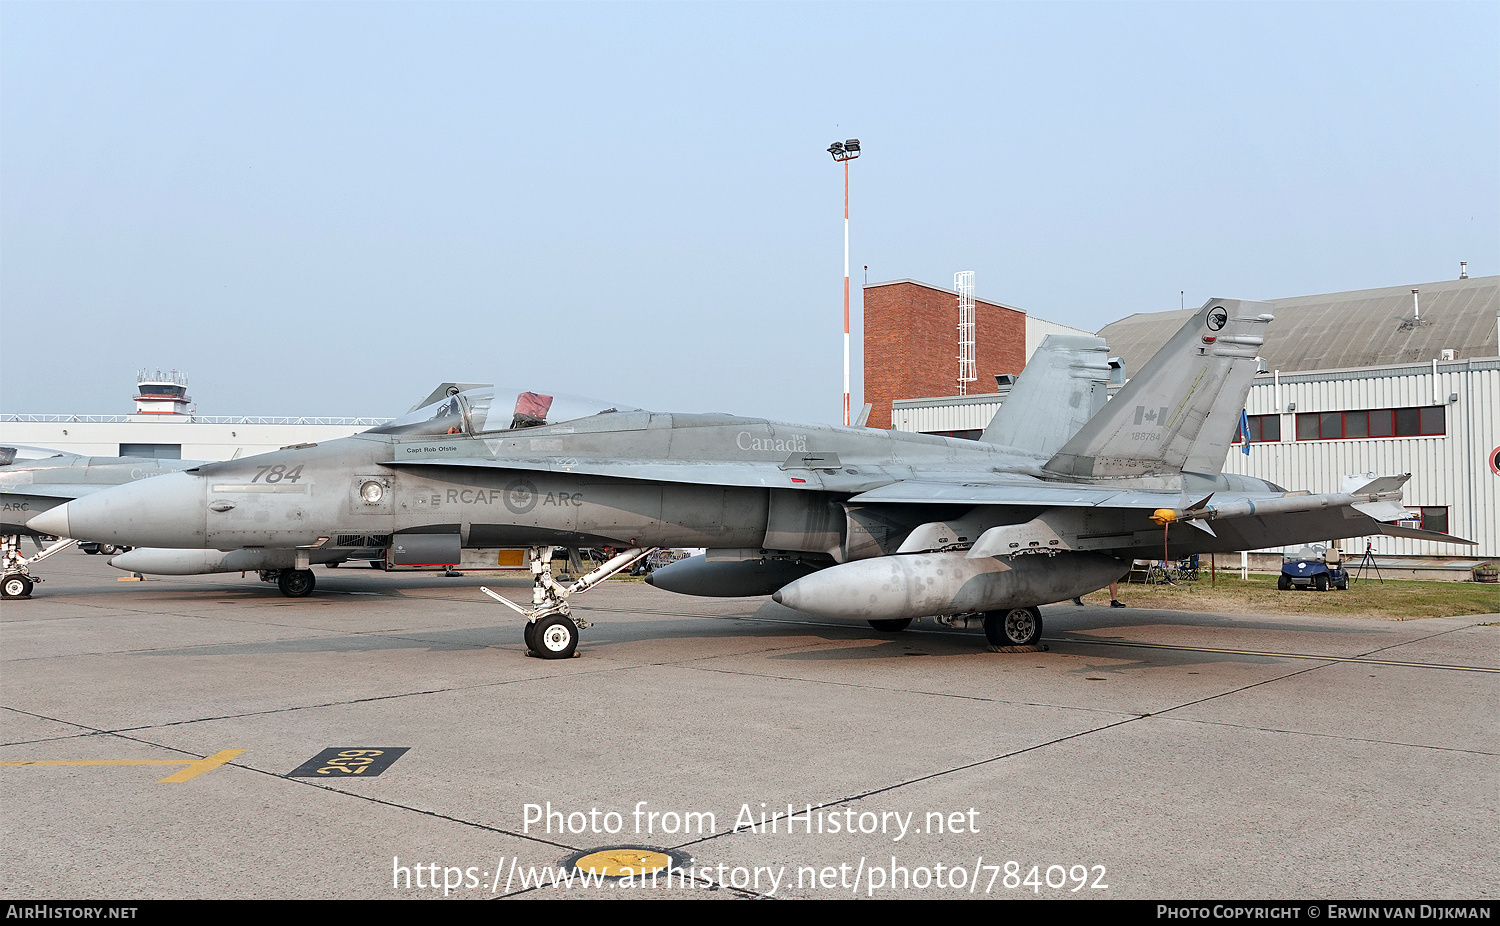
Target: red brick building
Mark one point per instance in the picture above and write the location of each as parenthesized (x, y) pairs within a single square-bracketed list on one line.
[(911, 344)]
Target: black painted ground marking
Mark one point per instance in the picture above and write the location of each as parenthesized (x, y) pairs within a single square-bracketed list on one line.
[(341, 763)]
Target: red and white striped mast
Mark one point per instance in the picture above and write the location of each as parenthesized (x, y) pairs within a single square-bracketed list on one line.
[(844, 152)]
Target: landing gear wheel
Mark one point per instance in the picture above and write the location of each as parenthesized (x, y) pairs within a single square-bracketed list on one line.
[(895, 625), (527, 634), (1013, 627), (296, 583), (556, 637), (16, 586)]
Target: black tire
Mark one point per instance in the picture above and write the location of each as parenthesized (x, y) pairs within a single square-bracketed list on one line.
[(556, 637), (378, 564), (526, 634), (1283, 582), (108, 549), (1343, 586), (1013, 627), (1320, 581), (16, 585), (91, 551), (894, 625), (296, 583)]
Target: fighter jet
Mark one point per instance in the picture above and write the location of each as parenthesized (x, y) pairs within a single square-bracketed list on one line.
[(1064, 383), (35, 479), (846, 523)]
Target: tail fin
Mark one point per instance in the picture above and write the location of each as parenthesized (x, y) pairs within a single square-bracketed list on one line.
[(1064, 384), (1178, 412)]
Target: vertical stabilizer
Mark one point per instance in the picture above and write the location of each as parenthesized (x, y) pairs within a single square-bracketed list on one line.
[(1064, 384), (1178, 409)]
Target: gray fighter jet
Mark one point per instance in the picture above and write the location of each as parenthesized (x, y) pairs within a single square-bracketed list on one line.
[(1063, 384), (35, 479), (877, 526)]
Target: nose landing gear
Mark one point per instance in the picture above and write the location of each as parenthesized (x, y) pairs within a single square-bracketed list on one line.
[(18, 580), (551, 630)]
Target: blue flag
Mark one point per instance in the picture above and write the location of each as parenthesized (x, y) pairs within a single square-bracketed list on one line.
[(1244, 433)]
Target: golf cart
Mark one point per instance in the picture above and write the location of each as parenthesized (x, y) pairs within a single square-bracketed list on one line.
[(1314, 565)]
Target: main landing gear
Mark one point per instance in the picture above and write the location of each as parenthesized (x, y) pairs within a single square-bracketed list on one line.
[(294, 583), (551, 631), (1013, 627), (18, 580)]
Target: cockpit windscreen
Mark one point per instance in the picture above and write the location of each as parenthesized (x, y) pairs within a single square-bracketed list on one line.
[(479, 411), (18, 455)]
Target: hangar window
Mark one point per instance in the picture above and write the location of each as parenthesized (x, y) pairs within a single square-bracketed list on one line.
[(1263, 429), (1426, 421), (1434, 518), (152, 451)]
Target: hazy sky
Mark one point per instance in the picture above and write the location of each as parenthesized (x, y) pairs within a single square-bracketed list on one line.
[(327, 209)]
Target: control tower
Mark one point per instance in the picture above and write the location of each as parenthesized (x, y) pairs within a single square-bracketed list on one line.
[(161, 394)]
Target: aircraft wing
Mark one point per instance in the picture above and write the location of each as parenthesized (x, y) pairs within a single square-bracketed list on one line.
[(1012, 493), (1132, 522)]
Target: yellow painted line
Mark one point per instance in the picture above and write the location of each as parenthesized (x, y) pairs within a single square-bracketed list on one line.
[(191, 769), (1250, 652)]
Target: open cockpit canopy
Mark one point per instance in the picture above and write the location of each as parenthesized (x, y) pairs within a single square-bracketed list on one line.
[(17, 455), (493, 408)]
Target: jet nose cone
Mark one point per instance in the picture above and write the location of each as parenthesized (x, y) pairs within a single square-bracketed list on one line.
[(52, 521), (163, 511)]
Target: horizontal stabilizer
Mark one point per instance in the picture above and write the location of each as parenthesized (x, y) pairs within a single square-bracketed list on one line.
[(1392, 530)]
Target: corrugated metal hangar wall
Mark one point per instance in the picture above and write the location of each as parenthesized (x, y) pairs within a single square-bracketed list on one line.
[(1405, 410)]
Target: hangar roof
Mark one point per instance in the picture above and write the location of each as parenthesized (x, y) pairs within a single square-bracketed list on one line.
[(1363, 328)]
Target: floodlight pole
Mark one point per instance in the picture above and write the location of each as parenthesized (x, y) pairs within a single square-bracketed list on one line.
[(844, 152), (846, 293)]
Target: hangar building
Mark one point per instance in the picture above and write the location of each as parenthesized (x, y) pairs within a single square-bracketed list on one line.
[(1371, 381), (165, 426), (911, 345)]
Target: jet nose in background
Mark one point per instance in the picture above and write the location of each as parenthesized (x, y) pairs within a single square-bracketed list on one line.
[(163, 511)]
